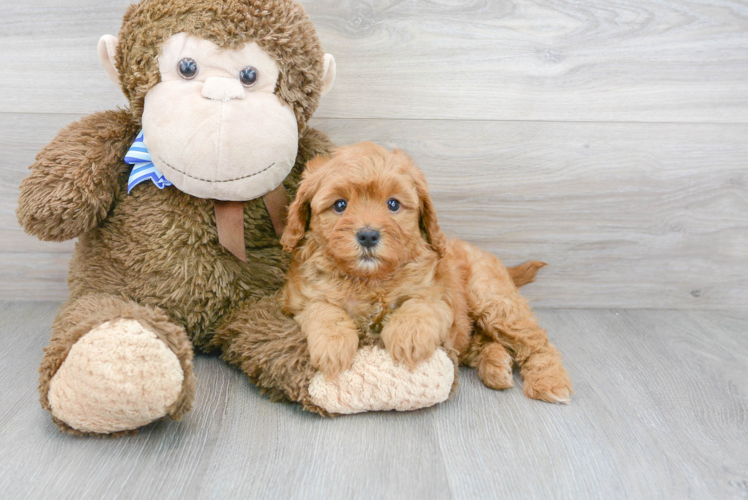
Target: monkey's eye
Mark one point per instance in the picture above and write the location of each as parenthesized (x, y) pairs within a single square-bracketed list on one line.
[(248, 76), (339, 206), (393, 205), (187, 68)]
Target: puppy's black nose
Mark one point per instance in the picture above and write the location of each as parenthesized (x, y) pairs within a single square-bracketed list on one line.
[(367, 238)]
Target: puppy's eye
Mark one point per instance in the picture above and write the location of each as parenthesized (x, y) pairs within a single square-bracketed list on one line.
[(248, 76), (339, 206), (393, 205), (187, 68)]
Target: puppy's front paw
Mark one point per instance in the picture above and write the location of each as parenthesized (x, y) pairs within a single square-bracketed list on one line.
[(409, 342), (333, 353)]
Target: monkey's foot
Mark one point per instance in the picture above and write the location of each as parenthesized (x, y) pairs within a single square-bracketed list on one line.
[(117, 377), (376, 383)]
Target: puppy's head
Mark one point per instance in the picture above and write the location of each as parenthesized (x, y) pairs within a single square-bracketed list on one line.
[(367, 208)]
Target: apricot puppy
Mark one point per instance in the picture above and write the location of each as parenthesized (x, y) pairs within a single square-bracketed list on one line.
[(369, 260)]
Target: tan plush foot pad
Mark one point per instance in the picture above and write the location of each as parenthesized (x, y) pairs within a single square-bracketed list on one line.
[(376, 383), (117, 377)]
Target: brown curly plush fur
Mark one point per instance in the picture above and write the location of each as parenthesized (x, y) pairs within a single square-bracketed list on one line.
[(75, 179), (278, 363), (157, 251)]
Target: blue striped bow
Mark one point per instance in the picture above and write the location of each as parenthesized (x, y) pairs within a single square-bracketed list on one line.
[(143, 168)]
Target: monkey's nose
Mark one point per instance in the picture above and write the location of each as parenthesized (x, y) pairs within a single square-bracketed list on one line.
[(367, 237), (222, 89)]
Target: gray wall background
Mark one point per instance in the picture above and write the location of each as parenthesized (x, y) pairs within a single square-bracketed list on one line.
[(609, 139)]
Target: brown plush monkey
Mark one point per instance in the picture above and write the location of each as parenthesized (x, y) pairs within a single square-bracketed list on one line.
[(178, 248), (222, 90)]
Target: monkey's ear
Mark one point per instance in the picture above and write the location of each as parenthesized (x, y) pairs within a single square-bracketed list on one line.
[(107, 50), (329, 78)]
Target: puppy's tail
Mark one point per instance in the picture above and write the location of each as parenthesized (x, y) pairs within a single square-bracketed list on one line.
[(525, 273)]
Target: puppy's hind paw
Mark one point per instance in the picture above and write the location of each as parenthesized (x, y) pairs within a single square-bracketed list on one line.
[(495, 367), (558, 395), (545, 378)]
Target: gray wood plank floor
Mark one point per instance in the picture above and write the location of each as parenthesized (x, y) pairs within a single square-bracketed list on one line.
[(660, 411)]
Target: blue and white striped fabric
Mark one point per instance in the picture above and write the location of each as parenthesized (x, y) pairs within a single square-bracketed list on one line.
[(143, 168)]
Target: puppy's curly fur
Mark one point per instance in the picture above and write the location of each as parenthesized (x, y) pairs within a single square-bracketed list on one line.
[(369, 259)]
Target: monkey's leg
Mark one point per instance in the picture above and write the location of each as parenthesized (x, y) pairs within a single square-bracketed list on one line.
[(271, 349), (113, 365), (503, 315)]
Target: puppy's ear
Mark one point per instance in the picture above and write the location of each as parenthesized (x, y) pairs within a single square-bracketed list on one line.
[(428, 222), (300, 212)]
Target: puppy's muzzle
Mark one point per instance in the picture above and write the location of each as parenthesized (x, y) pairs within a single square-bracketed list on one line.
[(367, 237)]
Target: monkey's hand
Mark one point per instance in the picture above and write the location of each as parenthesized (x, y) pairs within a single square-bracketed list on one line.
[(416, 329), (76, 177)]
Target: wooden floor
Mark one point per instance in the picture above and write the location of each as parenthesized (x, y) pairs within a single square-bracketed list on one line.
[(660, 411)]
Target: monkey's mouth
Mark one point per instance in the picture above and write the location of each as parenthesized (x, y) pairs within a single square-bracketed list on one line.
[(212, 182), (216, 180)]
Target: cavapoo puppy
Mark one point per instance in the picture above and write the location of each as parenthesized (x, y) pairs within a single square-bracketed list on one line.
[(369, 259)]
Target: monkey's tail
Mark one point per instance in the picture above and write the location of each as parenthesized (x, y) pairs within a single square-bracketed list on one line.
[(525, 273)]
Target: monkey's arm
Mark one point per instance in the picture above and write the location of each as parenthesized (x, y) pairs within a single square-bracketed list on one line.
[(76, 177)]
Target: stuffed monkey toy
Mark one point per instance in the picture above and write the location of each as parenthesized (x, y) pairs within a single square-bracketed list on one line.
[(178, 202)]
